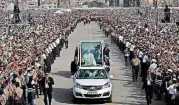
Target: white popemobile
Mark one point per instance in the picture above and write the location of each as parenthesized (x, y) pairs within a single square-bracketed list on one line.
[(92, 81)]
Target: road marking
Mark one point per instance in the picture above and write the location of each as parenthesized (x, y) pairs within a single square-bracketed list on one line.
[(89, 27), (108, 104)]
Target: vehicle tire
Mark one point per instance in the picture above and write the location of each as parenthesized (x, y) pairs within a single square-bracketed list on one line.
[(109, 100), (75, 100)]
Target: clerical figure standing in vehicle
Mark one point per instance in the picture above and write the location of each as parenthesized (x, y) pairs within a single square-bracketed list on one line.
[(88, 59)]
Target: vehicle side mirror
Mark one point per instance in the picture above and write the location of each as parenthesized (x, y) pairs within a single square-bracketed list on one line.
[(111, 76)]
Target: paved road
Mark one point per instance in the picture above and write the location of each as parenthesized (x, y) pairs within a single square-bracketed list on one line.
[(125, 92)]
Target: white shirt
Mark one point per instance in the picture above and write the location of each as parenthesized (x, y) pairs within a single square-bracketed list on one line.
[(57, 41), (44, 56), (140, 54), (60, 36), (51, 45), (54, 45), (171, 89), (127, 44), (46, 85), (146, 30), (113, 34), (48, 51), (132, 48), (145, 58), (152, 67), (121, 38), (107, 29)]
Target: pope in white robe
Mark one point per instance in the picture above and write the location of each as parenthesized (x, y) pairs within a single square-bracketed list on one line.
[(88, 59)]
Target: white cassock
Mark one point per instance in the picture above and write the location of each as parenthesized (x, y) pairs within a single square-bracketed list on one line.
[(89, 59)]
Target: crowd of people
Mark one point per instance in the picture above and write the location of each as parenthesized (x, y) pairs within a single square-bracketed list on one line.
[(149, 48), (27, 52)]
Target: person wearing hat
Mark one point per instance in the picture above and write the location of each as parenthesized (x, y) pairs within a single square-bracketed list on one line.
[(135, 67), (172, 90), (152, 67)]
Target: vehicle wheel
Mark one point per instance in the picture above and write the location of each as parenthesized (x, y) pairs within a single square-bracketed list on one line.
[(109, 100), (74, 100)]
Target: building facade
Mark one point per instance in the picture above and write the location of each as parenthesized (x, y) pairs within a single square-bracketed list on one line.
[(114, 3)]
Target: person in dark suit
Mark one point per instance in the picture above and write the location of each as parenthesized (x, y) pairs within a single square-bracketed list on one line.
[(74, 66), (66, 40), (48, 83), (147, 85), (76, 52)]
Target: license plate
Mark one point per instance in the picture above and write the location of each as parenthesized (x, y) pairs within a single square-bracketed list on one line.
[(92, 92)]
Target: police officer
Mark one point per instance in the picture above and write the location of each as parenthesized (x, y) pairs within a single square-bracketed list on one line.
[(66, 40), (48, 89), (147, 85)]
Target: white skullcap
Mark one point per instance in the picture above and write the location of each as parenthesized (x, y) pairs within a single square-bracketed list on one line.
[(169, 70), (154, 60)]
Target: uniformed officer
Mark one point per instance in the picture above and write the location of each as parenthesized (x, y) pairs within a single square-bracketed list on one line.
[(147, 85), (57, 43), (66, 40), (47, 61), (48, 89)]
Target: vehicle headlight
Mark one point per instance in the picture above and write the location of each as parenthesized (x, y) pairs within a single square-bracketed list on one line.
[(77, 85), (107, 85)]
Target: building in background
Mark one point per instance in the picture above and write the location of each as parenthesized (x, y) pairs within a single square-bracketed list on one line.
[(113, 3)]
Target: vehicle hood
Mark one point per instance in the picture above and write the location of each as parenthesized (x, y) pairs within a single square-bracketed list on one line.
[(92, 82)]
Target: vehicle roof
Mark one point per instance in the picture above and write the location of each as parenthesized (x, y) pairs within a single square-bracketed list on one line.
[(91, 40), (101, 67)]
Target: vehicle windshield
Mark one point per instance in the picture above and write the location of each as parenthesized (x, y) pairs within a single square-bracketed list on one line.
[(91, 74), (91, 54)]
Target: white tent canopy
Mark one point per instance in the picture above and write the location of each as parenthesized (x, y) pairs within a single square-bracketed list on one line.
[(65, 10), (59, 12), (68, 10)]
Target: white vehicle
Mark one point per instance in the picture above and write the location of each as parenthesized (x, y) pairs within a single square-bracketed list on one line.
[(92, 83)]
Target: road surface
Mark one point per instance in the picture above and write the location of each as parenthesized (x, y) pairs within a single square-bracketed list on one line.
[(125, 92)]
